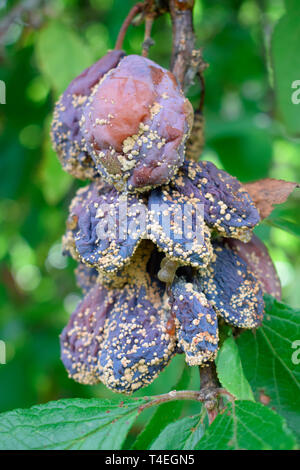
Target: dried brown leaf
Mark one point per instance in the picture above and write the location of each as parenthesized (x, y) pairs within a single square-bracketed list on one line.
[(268, 192)]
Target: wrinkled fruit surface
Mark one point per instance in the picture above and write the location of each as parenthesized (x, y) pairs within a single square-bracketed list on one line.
[(165, 246), (65, 133), (135, 124), (124, 118)]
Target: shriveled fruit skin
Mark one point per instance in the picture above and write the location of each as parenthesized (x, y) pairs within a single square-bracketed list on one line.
[(256, 255), (65, 132), (86, 277), (228, 207), (232, 288), (135, 125), (195, 320), (121, 337)]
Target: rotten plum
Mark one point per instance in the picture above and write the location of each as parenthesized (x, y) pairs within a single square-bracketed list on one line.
[(135, 124), (65, 132)]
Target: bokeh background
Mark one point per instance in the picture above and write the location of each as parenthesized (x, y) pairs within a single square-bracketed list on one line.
[(41, 51)]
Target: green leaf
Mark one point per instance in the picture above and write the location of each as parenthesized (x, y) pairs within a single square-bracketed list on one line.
[(247, 425), (230, 371), (54, 182), (286, 65), (181, 435), (246, 154), (61, 54), (69, 424), (268, 361), (285, 225), (291, 4), (163, 415)]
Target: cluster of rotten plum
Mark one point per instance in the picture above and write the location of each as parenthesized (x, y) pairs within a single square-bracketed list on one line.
[(123, 124)]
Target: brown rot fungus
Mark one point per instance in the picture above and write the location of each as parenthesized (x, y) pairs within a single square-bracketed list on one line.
[(124, 332), (135, 124), (130, 323), (196, 322), (153, 286), (228, 207), (101, 228), (121, 337), (105, 227), (232, 289), (66, 134), (165, 245), (256, 255)]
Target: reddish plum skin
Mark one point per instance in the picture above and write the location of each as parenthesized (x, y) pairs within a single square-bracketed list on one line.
[(116, 95), (135, 125)]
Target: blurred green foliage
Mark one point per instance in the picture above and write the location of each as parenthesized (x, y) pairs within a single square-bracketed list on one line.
[(38, 59)]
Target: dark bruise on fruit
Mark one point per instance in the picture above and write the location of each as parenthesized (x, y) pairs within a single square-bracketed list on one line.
[(135, 125), (232, 289), (65, 133), (257, 257), (196, 322)]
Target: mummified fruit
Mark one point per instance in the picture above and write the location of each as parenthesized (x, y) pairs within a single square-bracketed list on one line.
[(135, 124), (256, 255), (66, 134)]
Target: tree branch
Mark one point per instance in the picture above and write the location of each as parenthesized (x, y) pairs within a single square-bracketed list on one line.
[(17, 12), (203, 396), (148, 41), (186, 63), (208, 384), (195, 144), (186, 59)]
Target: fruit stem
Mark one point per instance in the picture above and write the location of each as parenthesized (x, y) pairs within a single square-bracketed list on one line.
[(208, 384), (148, 41), (137, 8)]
